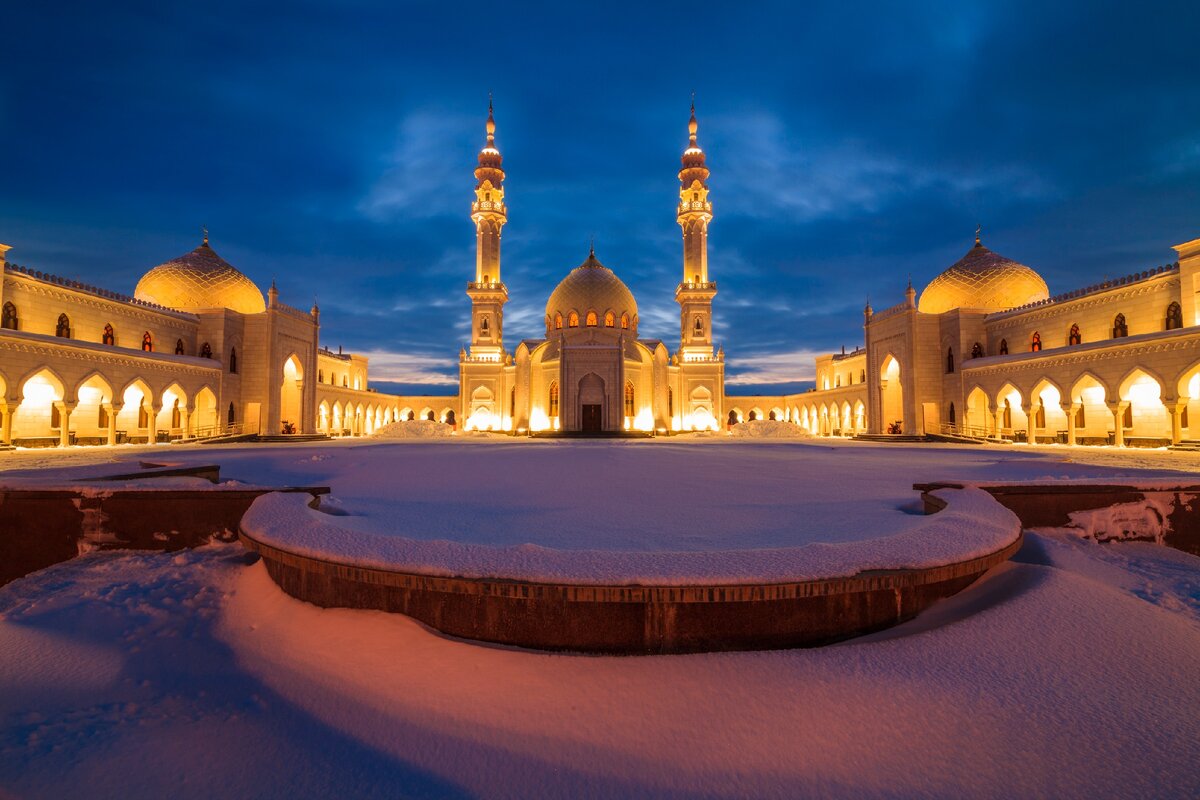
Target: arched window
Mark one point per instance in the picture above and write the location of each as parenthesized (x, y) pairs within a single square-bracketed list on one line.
[(1074, 337), (345, 382), (949, 360), (1035, 343), (63, 328), (512, 403), (233, 360), (1004, 347), (431, 416), (670, 402), (862, 376), (230, 416), (771, 416), (108, 337), (837, 381), (179, 347), (558, 322), (147, 342), (733, 420), (629, 398), (591, 319), (8, 318), (1120, 328), (573, 320), (753, 415), (320, 375), (952, 419), (610, 319), (484, 328), (977, 350), (625, 321), (412, 415), (449, 418), (1174, 316), (553, 403), (206, 350), (697, 327)]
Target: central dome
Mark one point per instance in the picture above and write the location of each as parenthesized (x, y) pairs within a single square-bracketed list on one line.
[(983, 280), (197, 280), (591, 287)]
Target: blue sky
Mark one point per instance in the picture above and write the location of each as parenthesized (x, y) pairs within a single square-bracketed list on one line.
[(851, 144)]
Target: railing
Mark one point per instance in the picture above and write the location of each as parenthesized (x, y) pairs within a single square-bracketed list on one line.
[(84, 287), (216, 431), (973, 431), (1099, 287), (705, 285), (494, 286)]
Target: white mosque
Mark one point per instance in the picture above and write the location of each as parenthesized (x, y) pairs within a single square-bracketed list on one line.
[(986, 352)]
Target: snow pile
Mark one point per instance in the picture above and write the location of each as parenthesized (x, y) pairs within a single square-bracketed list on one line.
[(414, 429), (191, 675), (768, 429), (972, 525)]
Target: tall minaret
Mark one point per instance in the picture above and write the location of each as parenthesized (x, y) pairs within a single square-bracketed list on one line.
[(696, 292), (487, 292)]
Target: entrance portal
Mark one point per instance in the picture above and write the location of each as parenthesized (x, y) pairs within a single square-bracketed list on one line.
[(591, 403)]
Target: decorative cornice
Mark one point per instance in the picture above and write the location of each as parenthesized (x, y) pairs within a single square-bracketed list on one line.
[(1008, 320), (100, 354), (1081, 354)]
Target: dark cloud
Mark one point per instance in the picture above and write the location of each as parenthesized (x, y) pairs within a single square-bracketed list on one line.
[(852, 145)]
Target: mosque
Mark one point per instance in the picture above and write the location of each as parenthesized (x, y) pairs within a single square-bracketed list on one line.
[(986, 352)]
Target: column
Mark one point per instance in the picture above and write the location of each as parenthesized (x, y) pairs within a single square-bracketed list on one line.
[(1030, 410), (112, 410), (1118, 412), (997, 420), (1176, 408), (64, 410), (152, 423), (186, 419), (1071, 409), (10, 410)]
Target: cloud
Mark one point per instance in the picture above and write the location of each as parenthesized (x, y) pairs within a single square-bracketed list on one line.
[(768, 170), (426, 167), (411, 368), (789, 367)]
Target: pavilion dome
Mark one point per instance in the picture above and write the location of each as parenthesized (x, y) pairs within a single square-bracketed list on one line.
[(200, 279), (985, 280), (592, 287)]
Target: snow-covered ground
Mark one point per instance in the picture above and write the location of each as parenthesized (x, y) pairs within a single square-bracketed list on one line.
[(1069, 672)]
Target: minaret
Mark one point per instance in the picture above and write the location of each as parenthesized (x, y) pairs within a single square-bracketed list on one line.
[(487, 292), (695, 292)]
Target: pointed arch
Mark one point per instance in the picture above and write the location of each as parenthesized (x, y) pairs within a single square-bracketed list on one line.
[(8, 317), (591, 319), (1073, 336), (108, 336), (62, 328)]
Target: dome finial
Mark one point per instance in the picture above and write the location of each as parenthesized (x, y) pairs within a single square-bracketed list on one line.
[(978, 231), (592, 247), (692, 123), (491, 124), (204, 228)]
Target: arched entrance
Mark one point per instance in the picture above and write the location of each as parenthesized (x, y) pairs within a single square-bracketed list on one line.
[(591, 403), (289, 396), (891, 393)]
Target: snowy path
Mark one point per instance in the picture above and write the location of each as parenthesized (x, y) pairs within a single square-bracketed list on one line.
[(192, 675)]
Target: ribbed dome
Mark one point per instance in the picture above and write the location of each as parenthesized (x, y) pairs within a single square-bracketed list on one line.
[(983, 280), (592, 287), (200, 279)]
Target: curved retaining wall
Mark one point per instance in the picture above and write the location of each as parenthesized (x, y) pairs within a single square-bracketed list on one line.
[(629, 619)]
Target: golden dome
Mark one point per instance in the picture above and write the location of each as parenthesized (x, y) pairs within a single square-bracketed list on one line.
[(592, 287), (200, 279), (983, 280)]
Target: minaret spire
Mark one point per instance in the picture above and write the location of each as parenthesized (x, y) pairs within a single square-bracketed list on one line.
[(488, 212), (696, 291)]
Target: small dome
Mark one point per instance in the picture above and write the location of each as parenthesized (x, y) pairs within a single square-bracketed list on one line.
[(983, 280), (592, 287), (200, 279)]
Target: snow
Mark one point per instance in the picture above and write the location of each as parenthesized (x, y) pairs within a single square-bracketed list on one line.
[(1066, 673), (768, 429), (972, 525), (414, 429)]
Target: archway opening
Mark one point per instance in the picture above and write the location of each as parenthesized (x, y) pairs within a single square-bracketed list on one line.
[(976, 420), (892, 397), (1093, 420), (92, 415), (591, 403), (134, 419), (1145, 416), (290, 412), (1049, 423), (39, 415), (207, 421)]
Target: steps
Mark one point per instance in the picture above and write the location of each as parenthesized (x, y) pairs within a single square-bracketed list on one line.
[(891, 438), (1187, 446)]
